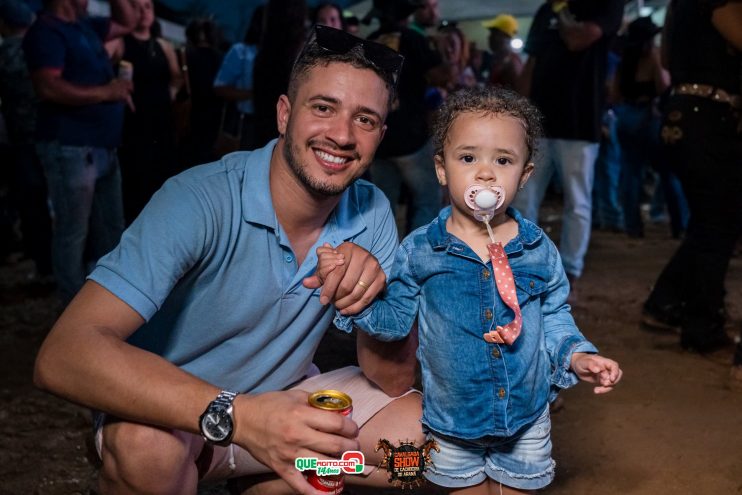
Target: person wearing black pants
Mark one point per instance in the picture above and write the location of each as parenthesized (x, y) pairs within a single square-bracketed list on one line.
[(702, 140)]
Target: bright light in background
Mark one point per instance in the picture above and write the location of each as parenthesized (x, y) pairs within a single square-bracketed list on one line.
[(646, 11), (516, 43)]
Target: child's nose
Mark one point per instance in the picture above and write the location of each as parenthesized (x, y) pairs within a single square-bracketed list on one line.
[(486, 173)]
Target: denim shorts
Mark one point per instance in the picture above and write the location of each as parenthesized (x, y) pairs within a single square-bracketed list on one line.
[(522, 461)]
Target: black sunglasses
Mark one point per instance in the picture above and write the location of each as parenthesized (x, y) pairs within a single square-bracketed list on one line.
[(337, 41)]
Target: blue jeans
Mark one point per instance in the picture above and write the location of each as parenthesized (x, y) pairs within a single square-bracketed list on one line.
[(417, 173), (574, 163), (639, 136), (671, 194), (607, 208), (88, 216)]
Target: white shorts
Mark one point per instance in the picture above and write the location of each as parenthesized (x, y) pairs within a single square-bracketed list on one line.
[(368, 399)]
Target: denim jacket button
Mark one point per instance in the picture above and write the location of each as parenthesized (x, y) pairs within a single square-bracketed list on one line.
[(488, 314), (496, 352), (501, 393), (531, 284), (486, 274)]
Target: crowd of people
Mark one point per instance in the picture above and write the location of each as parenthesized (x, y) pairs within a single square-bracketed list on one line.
[(127, 197)]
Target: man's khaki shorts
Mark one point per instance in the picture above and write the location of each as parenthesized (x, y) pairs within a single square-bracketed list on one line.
[(234, 461)]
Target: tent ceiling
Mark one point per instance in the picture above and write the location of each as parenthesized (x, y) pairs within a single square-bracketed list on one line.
[(234, 15), (479, 9)]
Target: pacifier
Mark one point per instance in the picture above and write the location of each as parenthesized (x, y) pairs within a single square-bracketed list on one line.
[(484, 200)]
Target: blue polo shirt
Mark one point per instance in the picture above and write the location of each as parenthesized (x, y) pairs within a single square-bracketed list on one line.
[(76, 48), (211, 270)]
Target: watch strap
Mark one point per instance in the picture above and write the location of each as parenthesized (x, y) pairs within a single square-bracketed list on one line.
[(224, 399)]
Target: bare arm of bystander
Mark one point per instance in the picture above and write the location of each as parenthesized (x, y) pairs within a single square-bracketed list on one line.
[(727, 19), (125, 15), (577, 35), (50, 86), (176, 75)]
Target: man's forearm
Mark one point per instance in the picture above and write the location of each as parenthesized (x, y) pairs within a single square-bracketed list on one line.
[(577, 35), (86, 360), (124, 13), (57, 90), (124, 18), (65, 93)]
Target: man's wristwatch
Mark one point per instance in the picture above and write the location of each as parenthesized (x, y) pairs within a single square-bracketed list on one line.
[(217, 421)]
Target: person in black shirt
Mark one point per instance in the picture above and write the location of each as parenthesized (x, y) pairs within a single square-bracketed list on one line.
[(565, 77), (405, 156), (702, 140), (147, 151)]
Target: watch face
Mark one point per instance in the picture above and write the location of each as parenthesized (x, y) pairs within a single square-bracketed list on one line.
[(216, 425)]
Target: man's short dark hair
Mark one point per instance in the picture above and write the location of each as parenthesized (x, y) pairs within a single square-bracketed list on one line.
[(346, 49)]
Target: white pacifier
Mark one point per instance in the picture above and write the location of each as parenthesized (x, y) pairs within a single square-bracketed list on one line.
[(484, 200)]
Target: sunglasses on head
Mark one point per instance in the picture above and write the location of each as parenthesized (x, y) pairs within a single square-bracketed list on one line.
[(339, 42)]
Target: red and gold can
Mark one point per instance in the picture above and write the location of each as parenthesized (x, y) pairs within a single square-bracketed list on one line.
[(337, 402)]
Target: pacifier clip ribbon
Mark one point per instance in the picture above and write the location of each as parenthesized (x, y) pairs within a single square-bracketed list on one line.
[(484, 201), (505, 283)]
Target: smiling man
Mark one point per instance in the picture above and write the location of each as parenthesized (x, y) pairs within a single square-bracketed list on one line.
[(196, 334)]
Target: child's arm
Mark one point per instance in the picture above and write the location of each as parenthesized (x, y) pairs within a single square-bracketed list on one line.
[(390, 316), (563, 338), (596, 369)]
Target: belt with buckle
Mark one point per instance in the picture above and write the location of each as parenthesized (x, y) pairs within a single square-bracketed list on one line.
[(709, 92)]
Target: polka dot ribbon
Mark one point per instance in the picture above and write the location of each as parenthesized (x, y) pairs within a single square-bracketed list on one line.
[(505, 334)]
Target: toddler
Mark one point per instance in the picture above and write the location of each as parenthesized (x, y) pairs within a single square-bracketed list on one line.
[(487, 287)]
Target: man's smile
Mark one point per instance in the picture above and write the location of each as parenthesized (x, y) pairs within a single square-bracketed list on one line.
[(333, 161)]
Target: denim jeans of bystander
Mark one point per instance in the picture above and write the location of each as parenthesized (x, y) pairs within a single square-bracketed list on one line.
[(85, 193), (574, 162)]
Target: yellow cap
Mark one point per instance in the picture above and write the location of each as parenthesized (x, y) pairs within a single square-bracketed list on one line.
[(504, 22)]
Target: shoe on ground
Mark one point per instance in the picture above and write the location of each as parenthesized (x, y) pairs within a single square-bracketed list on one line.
[(706, 343), (657, 318)]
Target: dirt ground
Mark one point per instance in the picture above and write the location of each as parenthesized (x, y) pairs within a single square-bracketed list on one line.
[(674, 426)]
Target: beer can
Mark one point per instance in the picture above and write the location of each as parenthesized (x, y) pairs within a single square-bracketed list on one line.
[(337, 402), (126, 70)]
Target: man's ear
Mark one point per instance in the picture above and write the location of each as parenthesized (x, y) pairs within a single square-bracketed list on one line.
[(283, 110), (527, 173), (440, 170)]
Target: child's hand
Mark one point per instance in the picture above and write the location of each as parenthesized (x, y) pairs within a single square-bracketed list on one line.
[(327, 259), (596, 369)]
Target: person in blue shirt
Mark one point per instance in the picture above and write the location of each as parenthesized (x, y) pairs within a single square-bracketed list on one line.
[(196, 334), (487, 287), (234, 81), (80, 119)]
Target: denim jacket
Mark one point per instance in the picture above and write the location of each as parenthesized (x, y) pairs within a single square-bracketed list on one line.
[(473, 388)]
